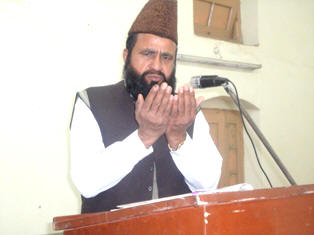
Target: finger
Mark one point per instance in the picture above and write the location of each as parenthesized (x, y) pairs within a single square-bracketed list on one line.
[(168, 110), (158, 98), (193, 101), (150, 97), (181, 101), (163, 108), (174, 108), (188, 100), (139, 103)]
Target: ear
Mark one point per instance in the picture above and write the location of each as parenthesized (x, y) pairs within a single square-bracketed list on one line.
[(125, 54)]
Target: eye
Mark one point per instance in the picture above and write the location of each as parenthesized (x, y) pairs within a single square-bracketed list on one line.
[(167, 56), (147, 53)]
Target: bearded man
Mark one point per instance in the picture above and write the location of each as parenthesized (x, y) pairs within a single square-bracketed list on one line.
[(137, 139)]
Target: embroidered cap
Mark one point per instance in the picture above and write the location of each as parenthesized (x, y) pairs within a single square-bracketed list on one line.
[(157, 17)]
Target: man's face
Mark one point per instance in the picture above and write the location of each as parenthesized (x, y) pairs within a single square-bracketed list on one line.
[(152, 61), (153, 54)]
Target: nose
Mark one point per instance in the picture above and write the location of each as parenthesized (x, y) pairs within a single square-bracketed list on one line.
[(156, 63)]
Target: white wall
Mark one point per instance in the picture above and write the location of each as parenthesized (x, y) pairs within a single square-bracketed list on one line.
[(50, 49)]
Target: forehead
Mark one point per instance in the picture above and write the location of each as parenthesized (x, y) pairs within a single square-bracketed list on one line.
[(154, 42)]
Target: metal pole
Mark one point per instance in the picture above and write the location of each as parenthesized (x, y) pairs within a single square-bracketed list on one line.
[(261, 136)]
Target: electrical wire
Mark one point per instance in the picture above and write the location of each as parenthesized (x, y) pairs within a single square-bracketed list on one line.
[(241, 114)]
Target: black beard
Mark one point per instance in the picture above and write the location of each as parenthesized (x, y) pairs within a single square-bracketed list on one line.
[(135, 83)]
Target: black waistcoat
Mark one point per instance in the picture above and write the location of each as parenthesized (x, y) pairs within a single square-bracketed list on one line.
[(114, 111)]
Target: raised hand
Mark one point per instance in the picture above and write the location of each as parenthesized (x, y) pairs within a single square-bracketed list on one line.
[(153, 113), (183, 113)]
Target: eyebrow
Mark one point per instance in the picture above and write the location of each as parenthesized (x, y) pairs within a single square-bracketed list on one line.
[(148, 50), (155, 52)]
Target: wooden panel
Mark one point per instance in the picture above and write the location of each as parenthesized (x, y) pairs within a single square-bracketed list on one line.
[(236, 152), (74, 221), (226, 131), (184, 221), (219, 19), (278, 216), (264, 211), (213, 117), (203, 9)]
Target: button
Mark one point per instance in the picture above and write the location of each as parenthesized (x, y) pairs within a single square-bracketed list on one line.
[(150, 188)]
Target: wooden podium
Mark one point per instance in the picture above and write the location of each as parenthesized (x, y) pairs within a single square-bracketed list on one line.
[(281, 211)]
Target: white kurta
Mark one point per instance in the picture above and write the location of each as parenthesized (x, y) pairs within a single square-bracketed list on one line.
[(95, 168)]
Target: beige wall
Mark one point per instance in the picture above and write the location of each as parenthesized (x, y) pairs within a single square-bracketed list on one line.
[(50, 49)]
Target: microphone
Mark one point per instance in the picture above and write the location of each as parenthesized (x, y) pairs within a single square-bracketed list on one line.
[(204, 81)]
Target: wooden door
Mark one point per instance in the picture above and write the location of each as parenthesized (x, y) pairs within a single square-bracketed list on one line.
[(226, 130)]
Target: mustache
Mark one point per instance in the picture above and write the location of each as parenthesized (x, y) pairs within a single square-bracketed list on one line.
[(153, 71)]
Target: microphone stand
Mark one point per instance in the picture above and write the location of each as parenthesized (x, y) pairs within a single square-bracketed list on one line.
[(259, 134)]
